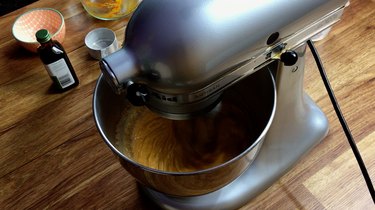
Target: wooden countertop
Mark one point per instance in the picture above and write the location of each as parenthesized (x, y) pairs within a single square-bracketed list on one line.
[(52, 157)]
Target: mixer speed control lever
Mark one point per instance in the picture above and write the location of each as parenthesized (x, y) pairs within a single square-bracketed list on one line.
[(137, 94), (289, 58)]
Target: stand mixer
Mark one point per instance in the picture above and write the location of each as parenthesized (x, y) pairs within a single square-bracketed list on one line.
[(179, 57)]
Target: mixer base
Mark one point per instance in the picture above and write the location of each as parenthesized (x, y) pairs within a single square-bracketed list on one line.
[(286, 142)]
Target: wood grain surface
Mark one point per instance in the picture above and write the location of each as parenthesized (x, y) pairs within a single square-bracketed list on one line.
[(52, 157)]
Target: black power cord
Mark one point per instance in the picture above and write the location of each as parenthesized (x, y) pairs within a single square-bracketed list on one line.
[(342, 120)]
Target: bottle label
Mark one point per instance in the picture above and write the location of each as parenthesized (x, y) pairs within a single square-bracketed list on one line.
[(60, 73)]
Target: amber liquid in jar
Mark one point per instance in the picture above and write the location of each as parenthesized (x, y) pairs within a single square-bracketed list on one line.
[(110, 9)]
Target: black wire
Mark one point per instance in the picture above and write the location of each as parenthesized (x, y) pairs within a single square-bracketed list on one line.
[(342, 120)]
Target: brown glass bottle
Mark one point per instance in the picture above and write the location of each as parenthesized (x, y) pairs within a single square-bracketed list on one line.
[(56, 62)]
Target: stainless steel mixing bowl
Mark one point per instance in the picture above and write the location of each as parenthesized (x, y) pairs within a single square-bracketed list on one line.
[(256, 94)]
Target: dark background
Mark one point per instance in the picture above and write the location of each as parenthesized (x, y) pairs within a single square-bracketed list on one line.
[(7, 6)]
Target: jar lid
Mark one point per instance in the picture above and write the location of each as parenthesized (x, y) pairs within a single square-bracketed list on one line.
[(43, 36)]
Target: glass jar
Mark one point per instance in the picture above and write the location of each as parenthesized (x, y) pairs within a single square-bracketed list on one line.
[(110, 9)]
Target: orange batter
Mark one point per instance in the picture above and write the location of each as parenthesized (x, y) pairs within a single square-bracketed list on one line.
[(184, 146)]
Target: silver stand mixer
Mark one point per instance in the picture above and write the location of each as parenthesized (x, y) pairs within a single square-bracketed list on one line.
[(179, 56), (293, 133)]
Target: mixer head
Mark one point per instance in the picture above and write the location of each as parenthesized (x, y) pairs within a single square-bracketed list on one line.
[(179, 56)]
